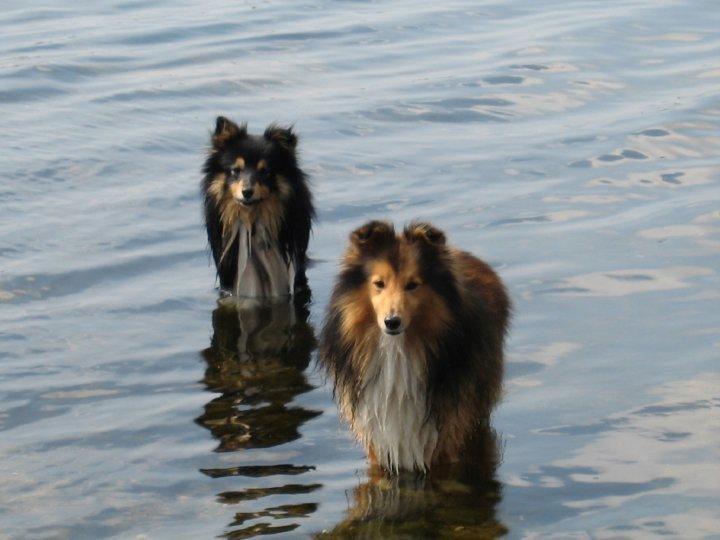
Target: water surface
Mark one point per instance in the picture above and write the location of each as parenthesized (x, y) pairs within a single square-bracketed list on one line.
[(572, 145)]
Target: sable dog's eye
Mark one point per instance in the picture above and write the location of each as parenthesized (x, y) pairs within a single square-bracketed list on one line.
[(411, 286), (380, 284)]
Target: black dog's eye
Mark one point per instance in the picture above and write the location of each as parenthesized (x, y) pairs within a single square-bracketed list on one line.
[(411, 286), (379, 283), (235, 171)]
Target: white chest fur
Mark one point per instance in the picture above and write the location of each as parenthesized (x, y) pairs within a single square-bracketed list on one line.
[(390, 415), (262, 270)]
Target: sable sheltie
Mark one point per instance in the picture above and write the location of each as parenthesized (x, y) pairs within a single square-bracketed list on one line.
[(258, 210), (413, 339)]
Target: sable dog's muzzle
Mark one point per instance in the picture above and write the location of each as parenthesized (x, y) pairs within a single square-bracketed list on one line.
[(393, 325)]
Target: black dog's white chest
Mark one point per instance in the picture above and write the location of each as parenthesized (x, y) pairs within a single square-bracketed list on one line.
[(262, 271)]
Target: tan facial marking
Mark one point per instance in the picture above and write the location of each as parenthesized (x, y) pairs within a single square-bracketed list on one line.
[(236, 189), (396, 293), (239, 163), (262, 164)]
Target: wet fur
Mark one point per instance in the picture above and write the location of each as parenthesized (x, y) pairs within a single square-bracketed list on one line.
[(451, 350), (270, 238)]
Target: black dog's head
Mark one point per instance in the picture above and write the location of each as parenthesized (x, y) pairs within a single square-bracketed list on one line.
[(250, 170)]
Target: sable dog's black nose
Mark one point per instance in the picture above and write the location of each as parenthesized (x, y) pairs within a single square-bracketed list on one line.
[(248, 193), (392, 322)]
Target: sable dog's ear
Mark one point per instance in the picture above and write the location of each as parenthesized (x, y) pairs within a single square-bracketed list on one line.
[(226, 129), (425, 233), (283, 137), (373, 235)]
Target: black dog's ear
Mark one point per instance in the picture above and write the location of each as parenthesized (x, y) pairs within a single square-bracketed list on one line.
[(226, 129), (418, 231), (373, 235), (284, 137)]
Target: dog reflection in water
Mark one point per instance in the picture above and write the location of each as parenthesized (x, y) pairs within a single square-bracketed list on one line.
[(255, 362), (450, 501)]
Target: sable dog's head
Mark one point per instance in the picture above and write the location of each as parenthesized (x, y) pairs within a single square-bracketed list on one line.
[(249, 170), (401, 283)]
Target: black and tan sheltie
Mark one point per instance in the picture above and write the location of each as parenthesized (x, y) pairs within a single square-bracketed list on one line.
[(413, 339), (258, 210)]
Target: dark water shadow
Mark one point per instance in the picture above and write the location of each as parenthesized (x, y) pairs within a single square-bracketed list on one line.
[(256, 362), (456, 501)]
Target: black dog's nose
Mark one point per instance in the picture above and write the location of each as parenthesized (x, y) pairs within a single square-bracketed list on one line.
[(392, 322), (248, 193)]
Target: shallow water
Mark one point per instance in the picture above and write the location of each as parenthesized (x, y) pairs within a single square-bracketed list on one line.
[(574, 146)]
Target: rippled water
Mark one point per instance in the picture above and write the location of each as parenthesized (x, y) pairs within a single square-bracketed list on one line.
[(573, 145)]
